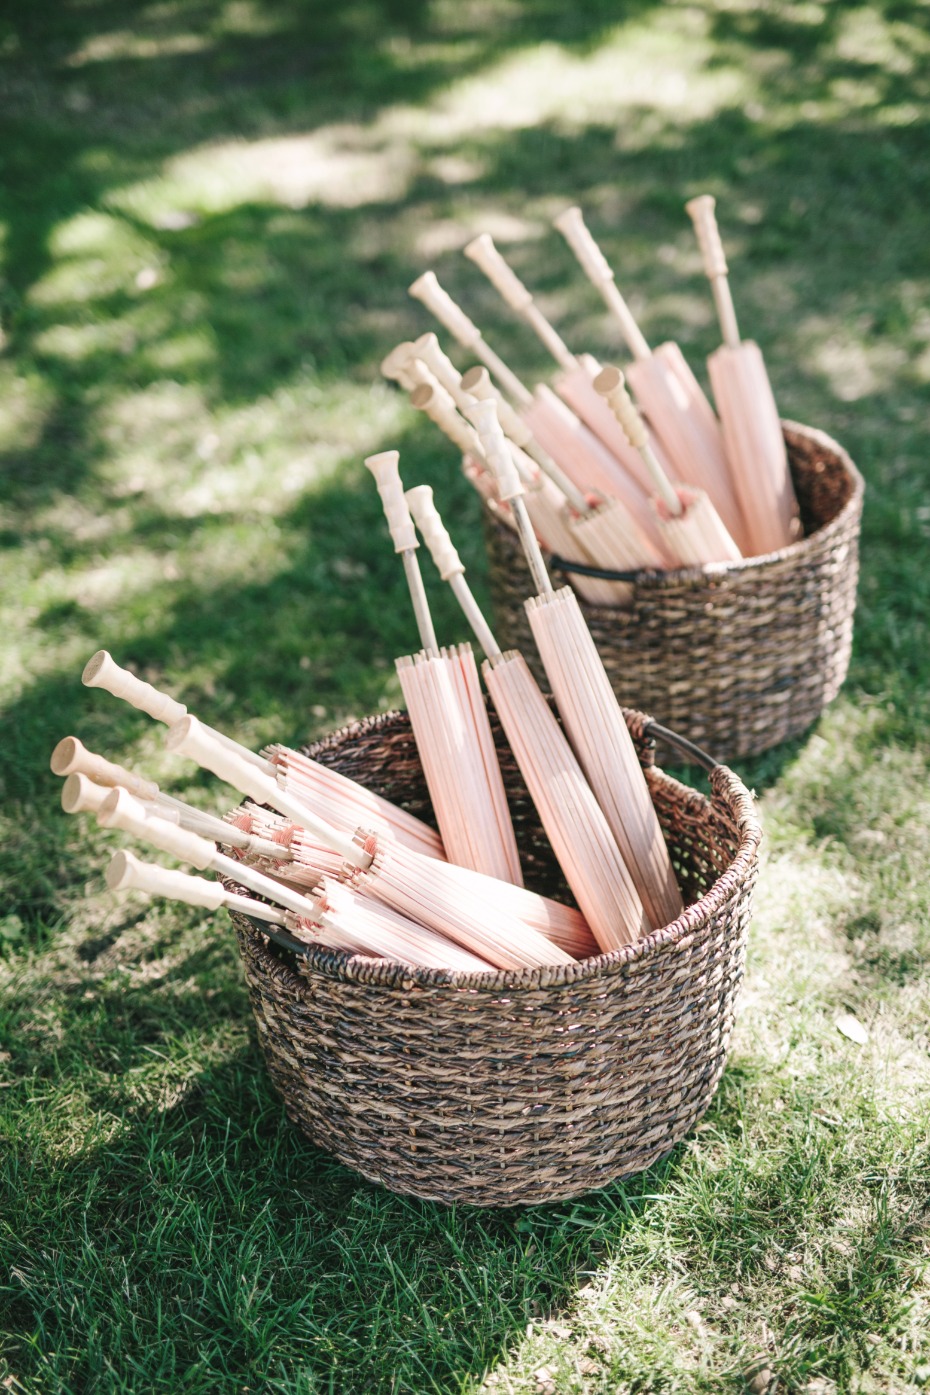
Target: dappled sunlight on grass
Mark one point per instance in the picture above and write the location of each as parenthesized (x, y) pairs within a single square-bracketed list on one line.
[(210, 216), (345, 167), (95, 255), (27, 399), (662, 65), (892, 44)]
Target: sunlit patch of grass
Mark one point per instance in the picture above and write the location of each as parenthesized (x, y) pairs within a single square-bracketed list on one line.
[(208, 227), (95, 255), (27, 397), (662, 64)]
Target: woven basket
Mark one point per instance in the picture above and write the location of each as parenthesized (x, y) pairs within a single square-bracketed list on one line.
[(738, 657), (514, 1088)]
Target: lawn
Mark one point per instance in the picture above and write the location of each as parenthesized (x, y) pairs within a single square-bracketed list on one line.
[(209, 214)]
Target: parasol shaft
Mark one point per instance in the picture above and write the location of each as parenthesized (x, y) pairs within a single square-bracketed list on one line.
[(427, 289), (463, 594), (101, 671), (512, 290), (420, 604), (571, 225), (477, 382), (500, 460)]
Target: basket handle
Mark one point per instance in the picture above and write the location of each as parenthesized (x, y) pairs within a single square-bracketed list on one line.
[(682, 744), (563, 564)]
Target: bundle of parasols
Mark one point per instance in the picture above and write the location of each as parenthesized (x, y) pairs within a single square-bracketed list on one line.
[(616, 481), (330, 862)]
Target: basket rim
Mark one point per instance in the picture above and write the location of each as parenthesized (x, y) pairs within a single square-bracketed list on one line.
[(711, 572), (335, 964)]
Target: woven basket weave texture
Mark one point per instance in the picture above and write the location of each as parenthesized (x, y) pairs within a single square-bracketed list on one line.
[(745, 655), (503, 1088)]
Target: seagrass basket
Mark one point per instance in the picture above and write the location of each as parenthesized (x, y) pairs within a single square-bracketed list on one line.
[(514, 1088), (739, 656)]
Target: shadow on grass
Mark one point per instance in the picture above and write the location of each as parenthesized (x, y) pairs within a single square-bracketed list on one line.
[(197, 1201), (268, 1262)]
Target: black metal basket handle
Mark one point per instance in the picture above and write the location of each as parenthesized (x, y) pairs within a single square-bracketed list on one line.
[(682, 744), (562, 564)]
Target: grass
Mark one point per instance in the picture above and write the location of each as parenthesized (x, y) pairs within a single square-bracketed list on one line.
[(208, 216)]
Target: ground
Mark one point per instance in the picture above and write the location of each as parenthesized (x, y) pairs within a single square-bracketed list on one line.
[(209, 214)]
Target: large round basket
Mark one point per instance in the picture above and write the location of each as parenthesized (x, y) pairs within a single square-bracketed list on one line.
[(738, 657), (510, 1089)]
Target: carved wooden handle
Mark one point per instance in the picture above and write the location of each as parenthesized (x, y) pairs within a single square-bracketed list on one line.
[(435, 533), (385, 469), (483, 416)]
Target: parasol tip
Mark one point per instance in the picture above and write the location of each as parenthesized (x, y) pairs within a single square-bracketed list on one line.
[(65, 755), (608, 380), (79, 795), (95, 669), (120, 875)]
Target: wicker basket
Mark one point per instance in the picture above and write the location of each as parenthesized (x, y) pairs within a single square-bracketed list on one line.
[(510, 1089), (744, 655)]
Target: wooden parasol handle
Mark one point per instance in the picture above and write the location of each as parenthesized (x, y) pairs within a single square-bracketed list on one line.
[(701, 212), (512, 290), (435, 534), (430, 354), (449, 564), (501, 462), (102, 671), (385, 468), (427, 289), (72, 757), (611, 384), (80, 795), (594, 264), (127, 872), (440, 408), (120, 810), (401, 366), (477, 383)]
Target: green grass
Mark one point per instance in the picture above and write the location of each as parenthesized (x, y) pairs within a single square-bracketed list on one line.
[(209, 214)]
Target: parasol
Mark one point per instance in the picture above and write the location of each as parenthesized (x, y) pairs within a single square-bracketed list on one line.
[(442, 692), (749, 418), (589, 709), (692, 529), (666, 389)]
